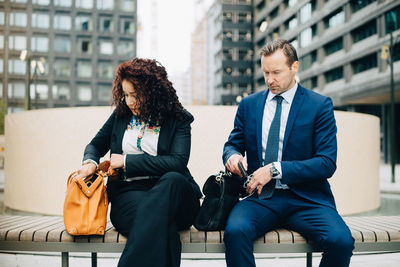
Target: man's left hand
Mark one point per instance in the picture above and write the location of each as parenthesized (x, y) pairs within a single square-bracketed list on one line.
[(260, 178)]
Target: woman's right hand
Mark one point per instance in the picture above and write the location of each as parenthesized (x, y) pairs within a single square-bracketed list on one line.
[(84, 171)]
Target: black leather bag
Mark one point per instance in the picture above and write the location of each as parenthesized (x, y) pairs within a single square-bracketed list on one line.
[(222, 192)]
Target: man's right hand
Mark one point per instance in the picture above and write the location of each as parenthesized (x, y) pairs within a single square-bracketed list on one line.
[(232, 164), (84, 171)]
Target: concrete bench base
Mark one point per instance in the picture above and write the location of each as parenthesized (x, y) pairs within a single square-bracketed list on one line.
[(47, 233)]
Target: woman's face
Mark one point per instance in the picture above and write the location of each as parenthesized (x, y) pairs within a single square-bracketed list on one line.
[(130, 97)]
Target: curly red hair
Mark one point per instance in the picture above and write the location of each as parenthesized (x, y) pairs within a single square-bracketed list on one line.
[(157, 98)]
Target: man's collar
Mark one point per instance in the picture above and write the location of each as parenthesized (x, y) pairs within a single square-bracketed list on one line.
[(287, 95)]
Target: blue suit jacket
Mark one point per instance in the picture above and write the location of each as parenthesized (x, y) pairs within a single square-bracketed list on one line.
[(309, 146)]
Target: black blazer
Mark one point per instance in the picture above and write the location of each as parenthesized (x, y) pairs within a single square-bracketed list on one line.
[(173, 152)]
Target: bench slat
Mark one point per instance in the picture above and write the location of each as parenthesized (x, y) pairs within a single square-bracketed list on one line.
[(285, 236), (11, 232), (41, 235), (27, 235)]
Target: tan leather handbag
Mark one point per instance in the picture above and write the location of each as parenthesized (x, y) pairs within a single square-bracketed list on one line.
[(86, 202)]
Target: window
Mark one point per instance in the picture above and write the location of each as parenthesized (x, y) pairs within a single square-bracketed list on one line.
[(359, 4), (62, 44), (392, 19), (1, 69), (106, 24), (274, 13), (84, 93), (126, 48), (396, 52), (16, 42), (41, 2), (127, 26), (62, 22), (104, 92), (63, 3), (83, 23), (16, 90), (18, 1), (62, 68), (40, 44), (40, 20), (18, 19), (334, 74), (39, 91), (291, 3), (310, 83), (1, 18), (295, 43), (307, 35), (105, 70), (365, 63), (105, 4), (228, 17), (306, 12), (61, 92), (335, 19), (307, 60), (291, 23), (333, 46), (1, 41), (106, 47), (84, 69), (85, 46), (127, 5), (364, 31), (84, 3)]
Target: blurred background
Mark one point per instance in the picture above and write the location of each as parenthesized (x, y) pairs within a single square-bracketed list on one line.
[(63, 53)]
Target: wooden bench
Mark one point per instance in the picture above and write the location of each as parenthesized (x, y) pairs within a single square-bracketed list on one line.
[(47, 233)]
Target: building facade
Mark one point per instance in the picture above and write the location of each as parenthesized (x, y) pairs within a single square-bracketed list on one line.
[(69, 47), (342, 48)]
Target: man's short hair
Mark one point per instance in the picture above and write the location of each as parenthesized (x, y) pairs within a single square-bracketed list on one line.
[(288, 50)]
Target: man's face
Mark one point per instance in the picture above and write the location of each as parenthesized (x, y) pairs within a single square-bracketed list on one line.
[(278, 75)]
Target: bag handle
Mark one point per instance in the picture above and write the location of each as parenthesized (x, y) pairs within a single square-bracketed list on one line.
[(89, 191)]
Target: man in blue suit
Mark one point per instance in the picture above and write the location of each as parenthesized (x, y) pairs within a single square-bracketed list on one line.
[(288, 135)]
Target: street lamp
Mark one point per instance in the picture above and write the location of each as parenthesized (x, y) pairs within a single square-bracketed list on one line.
[(35, 64)]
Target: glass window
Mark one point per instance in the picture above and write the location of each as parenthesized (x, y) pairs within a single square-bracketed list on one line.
[(105, 70), (85, 46), (1, 67), (307, 60), (40, 20), (39, 66), (16, 66), (295, 43), (365, 63), (106, 47), (126, 48), (291, 3), (61, 92), (84, 69), (310, 83), (16, 90), (62, 22), (335, 19), (1, 18), (84, 3), (392, 19), (359, 4), (334, 74), (305, 13), (62, 44), (18, 1), (18, 19), (127, 5), (274, 13), (104, 92), (41, 2), (83, 23), (127, 26), (62, 68), (63, 3), (396, 52), (105, 4), (292, 23), (306, 37), (106, 24), (40, 44), (1, 41), (17, 42), (39, 91), (333, 46), (84, 93), (364, 31)]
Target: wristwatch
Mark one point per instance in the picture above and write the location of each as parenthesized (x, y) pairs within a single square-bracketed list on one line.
[(273, 170)]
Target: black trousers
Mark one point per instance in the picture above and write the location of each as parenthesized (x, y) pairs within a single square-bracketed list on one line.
[(151, 220)]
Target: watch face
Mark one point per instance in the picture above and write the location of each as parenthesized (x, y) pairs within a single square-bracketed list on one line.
[(274, 171)]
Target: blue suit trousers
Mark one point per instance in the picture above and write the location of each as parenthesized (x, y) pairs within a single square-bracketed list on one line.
[(253, 217)]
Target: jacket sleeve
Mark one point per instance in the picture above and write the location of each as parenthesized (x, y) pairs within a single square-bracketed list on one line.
[(322, 164), (100, 144), (235, 143), (176, 160)]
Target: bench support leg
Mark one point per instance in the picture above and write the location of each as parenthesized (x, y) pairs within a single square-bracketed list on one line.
[(309, 259), (64, 259), (94, 259)]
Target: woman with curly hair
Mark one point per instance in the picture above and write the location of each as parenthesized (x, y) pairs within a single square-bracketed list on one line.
[(148, 136)]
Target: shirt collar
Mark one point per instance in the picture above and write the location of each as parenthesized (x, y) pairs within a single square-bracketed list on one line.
[(287, 96)]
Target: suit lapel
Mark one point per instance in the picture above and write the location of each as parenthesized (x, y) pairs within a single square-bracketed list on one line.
[(294, 110), (260, 105)]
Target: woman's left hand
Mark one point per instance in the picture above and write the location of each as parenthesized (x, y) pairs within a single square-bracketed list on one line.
[(116, 161)]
